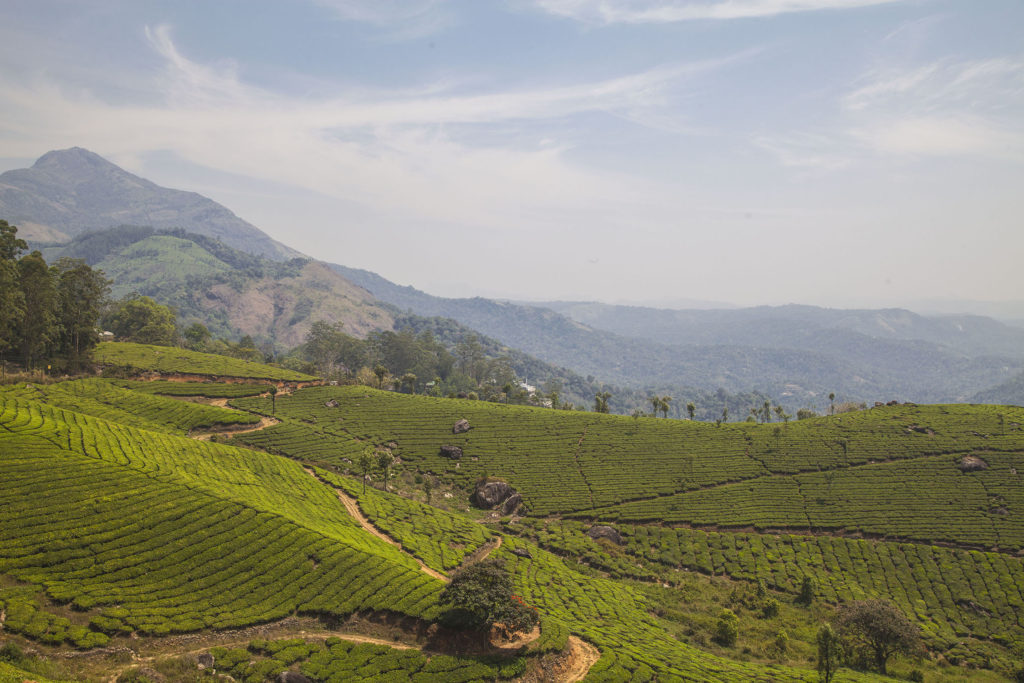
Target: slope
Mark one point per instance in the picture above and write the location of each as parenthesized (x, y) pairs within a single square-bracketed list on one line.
[(70, 191)]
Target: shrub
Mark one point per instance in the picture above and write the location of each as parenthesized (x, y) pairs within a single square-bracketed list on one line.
[(727, 629)]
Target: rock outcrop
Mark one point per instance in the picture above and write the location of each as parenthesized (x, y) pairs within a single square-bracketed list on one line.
[(460, 427), (490, 494), (511, 503), (612, 534), (972, 463), (453, 452)]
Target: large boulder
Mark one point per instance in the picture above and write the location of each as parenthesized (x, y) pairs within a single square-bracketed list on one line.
[(453, 452), (460, 427), (490, 494), (511, 503), (972, 463), (596, 532), (292, 677)]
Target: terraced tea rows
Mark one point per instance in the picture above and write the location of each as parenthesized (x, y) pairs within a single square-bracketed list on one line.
[(441, 540), (158, 533), (172, 360), (953, 594), (204, 389), (925, 499), (342, 660), (102, 399)]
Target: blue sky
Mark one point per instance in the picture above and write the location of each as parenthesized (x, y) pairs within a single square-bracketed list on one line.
[(837, 152)]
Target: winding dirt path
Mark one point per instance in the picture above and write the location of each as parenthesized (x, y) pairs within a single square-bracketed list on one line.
[(352, 507), (582, 656), (206, 434)]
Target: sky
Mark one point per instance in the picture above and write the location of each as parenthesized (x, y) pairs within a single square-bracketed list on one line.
[(831, 152)]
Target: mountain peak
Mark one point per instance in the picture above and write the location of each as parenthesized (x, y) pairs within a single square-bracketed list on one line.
[(76, 162)]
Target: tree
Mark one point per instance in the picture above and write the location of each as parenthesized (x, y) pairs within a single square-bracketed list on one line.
[(12, 299), (140, 319), (82, 293), (273, 399), (875, 630), (691, 409), (727, 629), (655, 405), (38, 328), (832, 403), (829, 653), (409, 382), (725, 414), (428, 488), (381, 372), (601, 401), (767, 414), (196, 336), (806, 595), (384, 462), (665, 400), (365, 463), (480, 598)]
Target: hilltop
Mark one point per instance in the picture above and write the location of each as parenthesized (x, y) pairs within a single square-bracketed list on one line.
[(70, 191)]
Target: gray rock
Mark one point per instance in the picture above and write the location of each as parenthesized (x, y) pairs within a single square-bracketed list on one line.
[(522, 552), (596, 532), (292, 677), (511, 503), (460, 427), (331, 404), (972, 463), (453, 452), (490, 494)]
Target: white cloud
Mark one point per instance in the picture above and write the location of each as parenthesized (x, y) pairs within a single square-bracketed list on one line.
[(948, 108), (400, 19), (669, 11)]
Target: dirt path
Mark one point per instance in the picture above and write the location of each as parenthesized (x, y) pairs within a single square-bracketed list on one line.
[(235, 641), (353, 509), (582, 656), (481, 553), (263, 424)]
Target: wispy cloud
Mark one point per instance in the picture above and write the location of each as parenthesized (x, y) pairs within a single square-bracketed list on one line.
[(670, 11), (946, 108)]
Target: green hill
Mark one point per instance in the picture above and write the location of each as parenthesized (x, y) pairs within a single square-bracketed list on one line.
[(119, 530)]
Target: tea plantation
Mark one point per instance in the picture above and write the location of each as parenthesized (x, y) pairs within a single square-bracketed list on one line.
[(119, 531)]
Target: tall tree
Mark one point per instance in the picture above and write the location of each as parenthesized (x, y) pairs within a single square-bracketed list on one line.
[(691, 409), (829, 652), (39, 322), (384, 461), (655, 405), (365, 463), (12, 299), (82, 292), (665, 400)]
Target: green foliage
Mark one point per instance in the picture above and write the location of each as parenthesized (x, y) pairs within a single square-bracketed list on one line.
[(480, 597), (874, 630), (830, 652), (203, 389), (727, 628), (140, 319), (173, 360)]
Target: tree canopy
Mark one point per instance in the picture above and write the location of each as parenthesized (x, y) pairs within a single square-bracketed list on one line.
[(480, 598), (874, 630)]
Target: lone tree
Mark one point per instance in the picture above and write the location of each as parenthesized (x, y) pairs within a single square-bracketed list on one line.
[(384, 461), (830, 651), (273, 399), (875, 630), (691, 409), (365, 463), (480, 598)]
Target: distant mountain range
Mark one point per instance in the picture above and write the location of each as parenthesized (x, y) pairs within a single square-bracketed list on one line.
[(70, 191), (797, 354)]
